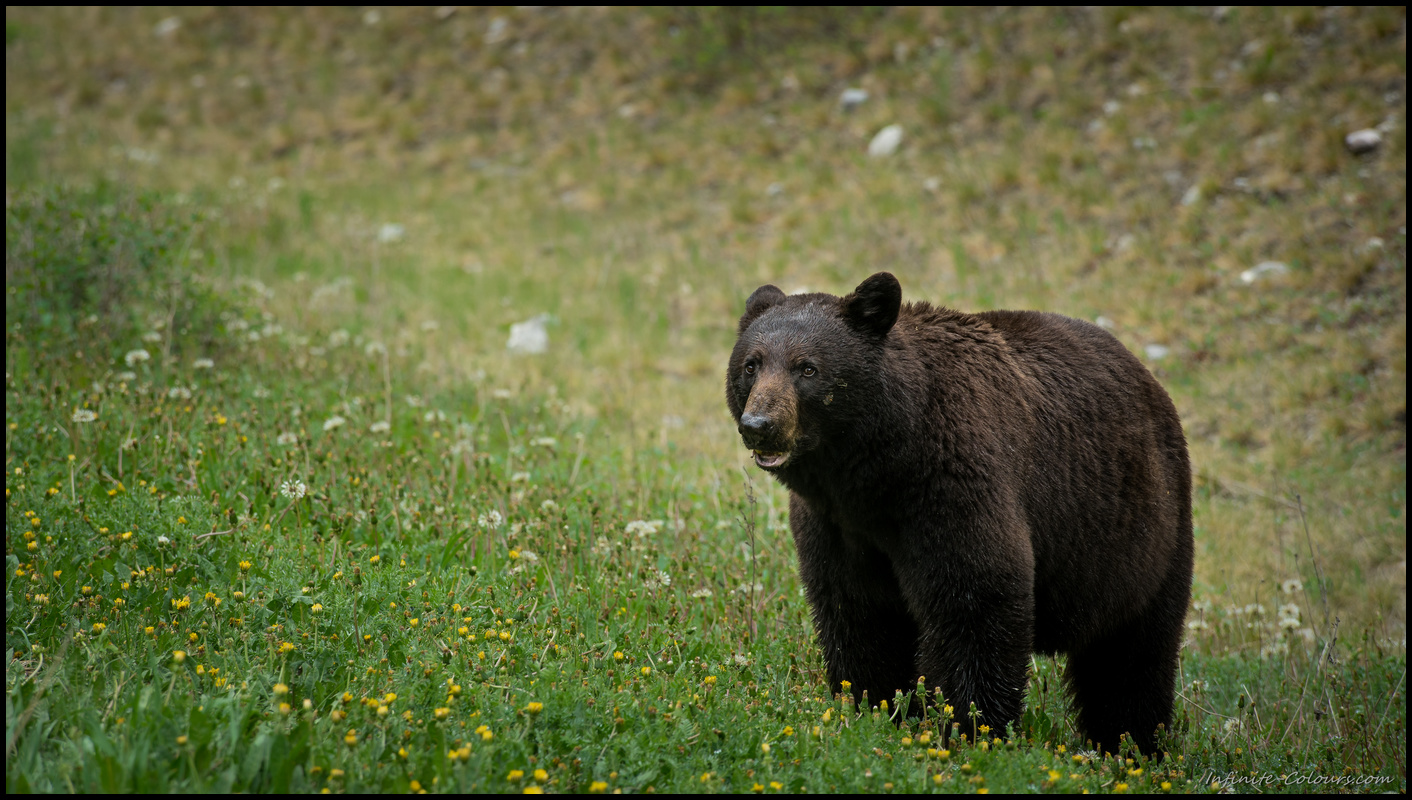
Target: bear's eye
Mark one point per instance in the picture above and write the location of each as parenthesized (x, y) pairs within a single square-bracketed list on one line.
[(809, 371), (749, 368)]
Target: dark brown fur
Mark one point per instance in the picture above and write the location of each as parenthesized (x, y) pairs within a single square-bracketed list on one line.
[(966, 489)]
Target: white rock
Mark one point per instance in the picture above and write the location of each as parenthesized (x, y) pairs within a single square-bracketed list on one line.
[(852, 98), (1192, 196), (1157, 352), (1262, 269), (1364, 141), (886, 141), (529, 337), (167, 27)]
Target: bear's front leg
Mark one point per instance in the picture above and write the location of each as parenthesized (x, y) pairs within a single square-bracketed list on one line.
[(860, 616), (975, 618)]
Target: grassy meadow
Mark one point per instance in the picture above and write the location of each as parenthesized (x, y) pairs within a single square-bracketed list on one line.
[(285, 513)]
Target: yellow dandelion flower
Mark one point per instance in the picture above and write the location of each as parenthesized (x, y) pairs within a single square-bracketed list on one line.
[(515, 775), (375, 560), (99, 627), (598, 787), (617, 655), (646, 670), (765, 747), (281, 690), (178, 656), (351, 738), (284, 708), (534, 708), (541, 775), (441, 713), (181, 741)]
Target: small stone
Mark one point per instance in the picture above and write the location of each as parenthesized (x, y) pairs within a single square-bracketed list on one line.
[(529, 337), (852, 98), (1364, 141), (886, 141), (932, 184), (1262, 269), (1157, 352), (167, 27), (1192, 196)]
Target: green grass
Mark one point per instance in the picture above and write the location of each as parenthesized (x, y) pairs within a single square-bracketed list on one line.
[(236, 217)]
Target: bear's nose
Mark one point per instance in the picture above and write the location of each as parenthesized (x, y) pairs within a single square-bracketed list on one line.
[(755, 429)]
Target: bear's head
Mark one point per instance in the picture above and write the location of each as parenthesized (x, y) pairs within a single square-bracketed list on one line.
[(800, 362)]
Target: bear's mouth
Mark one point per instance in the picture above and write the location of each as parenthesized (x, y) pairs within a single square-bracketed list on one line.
[(770, 460)]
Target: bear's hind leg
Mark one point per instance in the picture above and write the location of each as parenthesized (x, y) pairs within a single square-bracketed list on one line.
[(1124, 681)]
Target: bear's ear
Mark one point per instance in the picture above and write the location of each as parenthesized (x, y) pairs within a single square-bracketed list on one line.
[(760, 300), (873, 306)]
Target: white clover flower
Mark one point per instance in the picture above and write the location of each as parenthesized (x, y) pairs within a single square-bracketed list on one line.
[(545, 441), (548, 505), (1290, 610), (125, 377), (1289, 623), (601, 546), (338, 338), (415, 401), (333, 422), (702, 592), (490, 519), (152, 336), (1291, 586), (520, 477), (374, 348), (260, 393), (84, 415), (435, 415), (178, 393), (294, 490), (203, 363), (381, 426), (462, 447), (163, 540), (135, 357), (740, 660), (1198, 625), (661, 579), (286, 439), (529, 556)]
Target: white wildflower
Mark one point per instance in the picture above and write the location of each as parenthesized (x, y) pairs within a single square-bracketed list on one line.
[(125, 377), (84, 415), (520, 477), (643, 527), (1289, 623), (374, 348), (548, 505), (529, 556), (746, 588), (1291, 586), (260, 393), (430, 325), (661, 579), (135, 357), (391, 232), (601, 546), (490, 519), (152, 336), (333, 422), (286, 439), (163, 540), (294, 490), (433, 416), (462, 447), (338, 338), (545, 441), (415, 401), (740, 660), (203, 363), (1198, 625), (702, 592), (502, 394), (1290, 610), (381, 426), (178, 393)]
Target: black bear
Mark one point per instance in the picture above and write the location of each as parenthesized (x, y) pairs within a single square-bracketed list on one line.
[(966, 489)]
